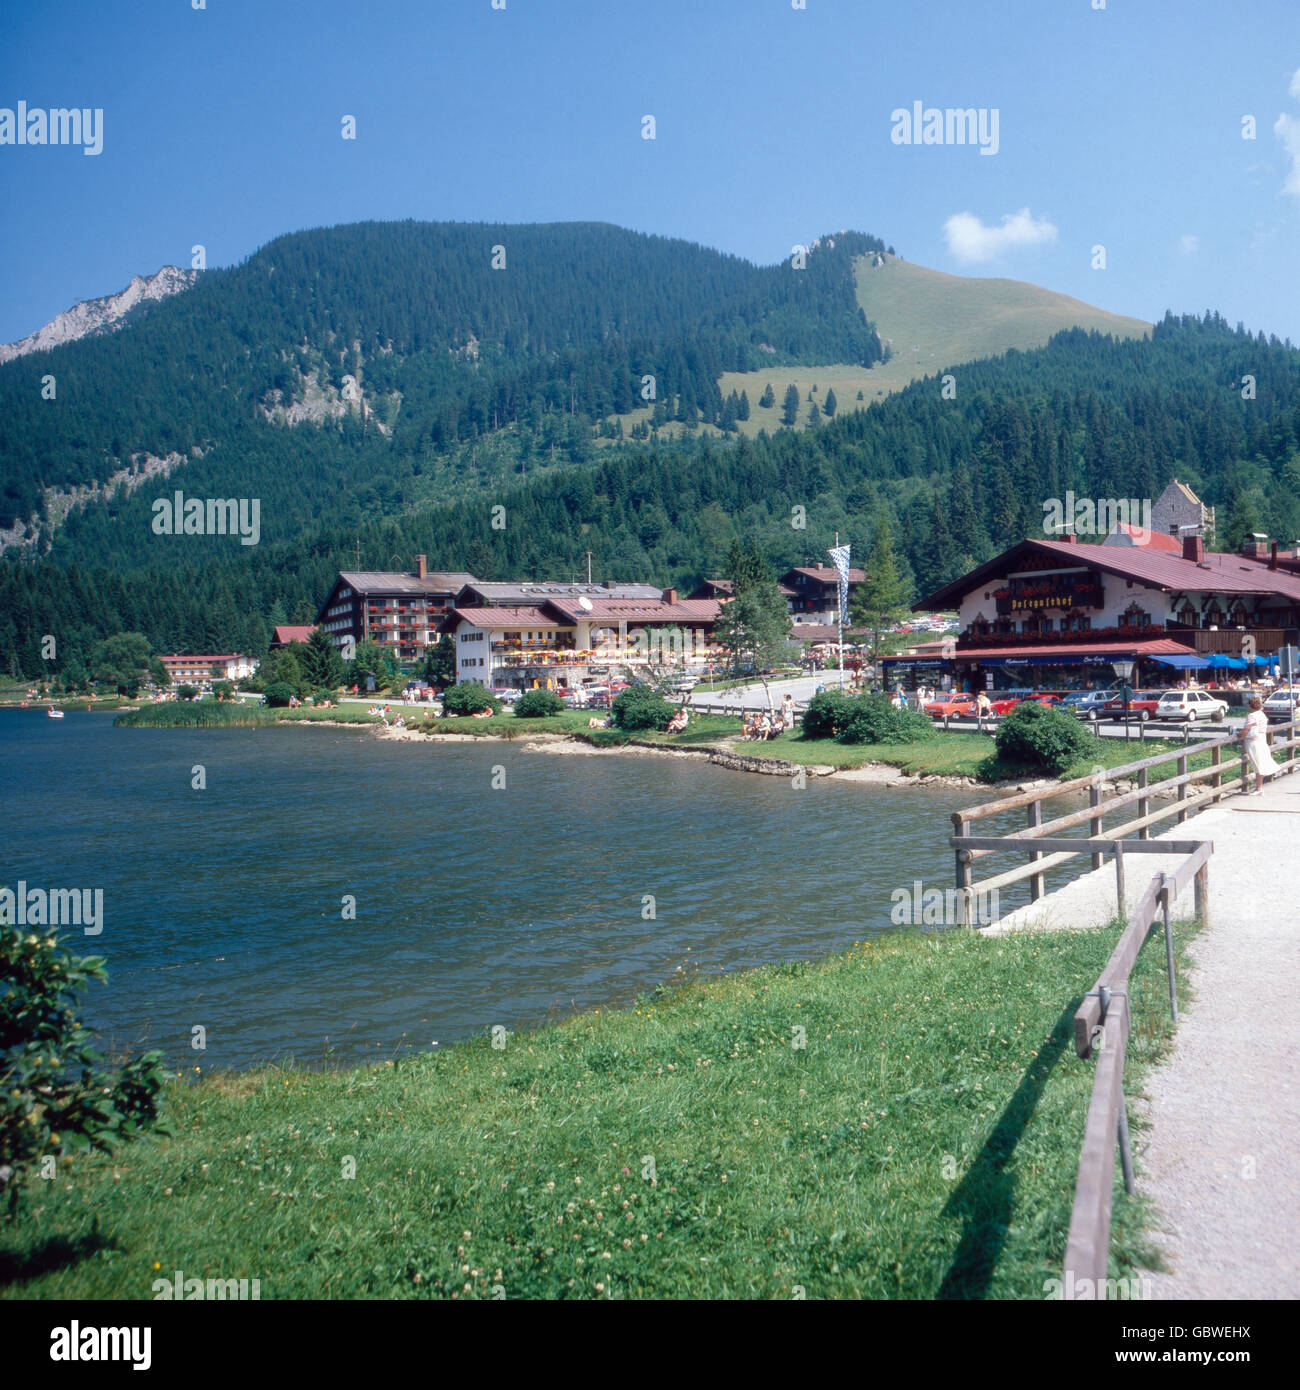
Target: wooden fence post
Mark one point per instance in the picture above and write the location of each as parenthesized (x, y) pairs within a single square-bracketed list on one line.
[(1182, 787), (1216, 757), (1094, 826), (961, 828), (1034, 817), (1144, 805)]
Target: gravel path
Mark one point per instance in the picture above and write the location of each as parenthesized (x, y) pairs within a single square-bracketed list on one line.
[(1220, 1156)]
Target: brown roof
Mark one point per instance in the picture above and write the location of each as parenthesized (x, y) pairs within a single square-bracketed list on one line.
[(495, 618), (689, 610), (1158, 569), (828, 574), (395, 582)]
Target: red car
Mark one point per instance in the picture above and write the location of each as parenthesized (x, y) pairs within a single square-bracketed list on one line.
[(951, 704)]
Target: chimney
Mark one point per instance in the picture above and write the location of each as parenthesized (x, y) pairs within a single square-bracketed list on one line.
[(607, 583), (1071, 538), (1272, 556), (1193, 549), (421, 566), (670, 595)]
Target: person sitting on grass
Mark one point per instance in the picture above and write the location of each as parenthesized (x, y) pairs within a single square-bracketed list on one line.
[(678, 722)]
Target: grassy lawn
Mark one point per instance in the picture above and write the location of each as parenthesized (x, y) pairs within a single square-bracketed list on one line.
[(923, 1143), (952, 754)]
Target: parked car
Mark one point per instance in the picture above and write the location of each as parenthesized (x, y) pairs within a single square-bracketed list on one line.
[(1091, 704), (1190, 705), (683, 685), (951, 704), (1282, 704), (507, 694)]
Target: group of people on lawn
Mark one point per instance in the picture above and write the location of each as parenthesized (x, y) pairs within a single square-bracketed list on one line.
[(762, 724)]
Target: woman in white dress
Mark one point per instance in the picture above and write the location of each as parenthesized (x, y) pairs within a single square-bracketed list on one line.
[(1254, 746)]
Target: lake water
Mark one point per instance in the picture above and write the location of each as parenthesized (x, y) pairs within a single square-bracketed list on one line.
[(475, 906)]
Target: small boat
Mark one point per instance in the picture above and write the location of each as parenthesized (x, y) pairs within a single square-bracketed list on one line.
[(53, 713)]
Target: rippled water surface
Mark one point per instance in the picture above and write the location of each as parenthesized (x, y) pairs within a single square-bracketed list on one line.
[(474, 906)]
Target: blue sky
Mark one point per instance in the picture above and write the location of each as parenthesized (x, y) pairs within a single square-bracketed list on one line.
[(1120, 127)]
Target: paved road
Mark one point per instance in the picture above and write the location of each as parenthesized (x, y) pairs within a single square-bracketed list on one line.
[(803, 688), (1223, 1112)]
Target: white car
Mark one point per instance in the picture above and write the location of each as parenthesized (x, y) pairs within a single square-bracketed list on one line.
[(1190, 705), (1281, 705)]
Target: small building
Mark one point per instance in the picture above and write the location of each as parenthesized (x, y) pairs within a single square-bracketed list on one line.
[(1178, 510), (200, 669), (813, 592), (286, 633)]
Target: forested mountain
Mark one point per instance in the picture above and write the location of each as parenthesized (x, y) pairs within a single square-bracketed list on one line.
[(960, 476), (412, 336)]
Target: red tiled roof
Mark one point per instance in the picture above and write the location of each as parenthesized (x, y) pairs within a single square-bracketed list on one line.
[(293, 632), (501, 618), (1159, 569), (1152, 540), (689, 610), (1150, 646)]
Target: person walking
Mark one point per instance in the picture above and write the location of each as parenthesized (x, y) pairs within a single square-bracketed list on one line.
[(787, 711), (1254, 747)]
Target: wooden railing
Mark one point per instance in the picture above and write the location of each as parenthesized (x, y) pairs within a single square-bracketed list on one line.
[(1100, 841), (1101, 1024)]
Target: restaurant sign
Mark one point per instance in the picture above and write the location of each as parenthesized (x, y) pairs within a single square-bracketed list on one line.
[(1050, 591)]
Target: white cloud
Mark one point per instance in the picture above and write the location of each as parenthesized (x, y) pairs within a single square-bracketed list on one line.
[(1287, 130), (1189, 244), (969, 239)]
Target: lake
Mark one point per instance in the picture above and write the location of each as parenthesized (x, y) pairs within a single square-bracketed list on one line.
[(475, 905)]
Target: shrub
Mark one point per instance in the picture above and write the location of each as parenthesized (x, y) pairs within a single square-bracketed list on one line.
[(828, 714), (280, 694), (875, 720), (186, 692), (224, 690), (55, 1097), (538, 704), (641, 708), (1040, 739), (469, 699)]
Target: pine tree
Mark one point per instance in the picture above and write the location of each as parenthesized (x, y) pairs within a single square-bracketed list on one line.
[(768, 399), (828, 406), (881, 600), (742, 409), (790, 406)]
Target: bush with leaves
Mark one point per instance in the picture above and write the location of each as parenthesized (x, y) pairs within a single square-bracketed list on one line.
[(280, 694), (875, 719), (1037, 738), (538, 704), (56, 1098), (186, 692), (828, 714), (639, 707), (469, 699)]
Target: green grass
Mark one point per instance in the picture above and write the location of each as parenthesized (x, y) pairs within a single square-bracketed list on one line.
[(923, 1144), (953, 754), (932, 321)]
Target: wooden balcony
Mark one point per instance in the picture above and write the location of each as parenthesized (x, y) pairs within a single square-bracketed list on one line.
[(1206, 641)]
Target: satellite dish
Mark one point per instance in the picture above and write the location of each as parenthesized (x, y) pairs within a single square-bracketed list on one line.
[(585, 602)]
